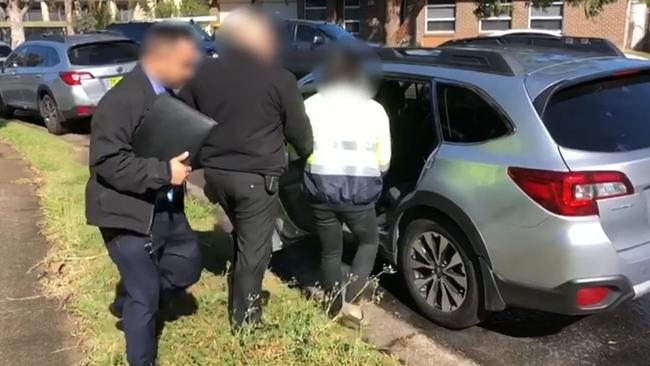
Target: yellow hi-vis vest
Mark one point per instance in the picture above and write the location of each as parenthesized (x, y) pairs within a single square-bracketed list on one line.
[(351, 146)]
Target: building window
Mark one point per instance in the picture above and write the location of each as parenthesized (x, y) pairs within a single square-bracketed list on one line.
[(352, 16), (441, 16), (316, 9), (549, 18), (500, 19), (34, 15)]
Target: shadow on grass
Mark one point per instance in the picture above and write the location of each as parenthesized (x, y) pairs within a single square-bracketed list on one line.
[(216, 251), (299, 263)]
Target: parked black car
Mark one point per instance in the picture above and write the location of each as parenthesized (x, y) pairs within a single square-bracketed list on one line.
[(136, 31), (305, 43)]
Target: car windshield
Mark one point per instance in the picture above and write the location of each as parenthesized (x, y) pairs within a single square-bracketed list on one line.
[(605, 115), (103, 53), (335, 32)]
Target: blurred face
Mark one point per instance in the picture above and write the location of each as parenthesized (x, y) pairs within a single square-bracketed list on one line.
[(259, 37), (175, 63)]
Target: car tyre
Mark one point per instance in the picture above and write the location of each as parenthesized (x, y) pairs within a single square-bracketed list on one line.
[(5, 110), (440, 272), (52, 117)]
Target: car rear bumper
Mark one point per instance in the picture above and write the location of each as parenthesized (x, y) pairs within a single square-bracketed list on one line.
[(547, 264), (80, 111), (563, 299)]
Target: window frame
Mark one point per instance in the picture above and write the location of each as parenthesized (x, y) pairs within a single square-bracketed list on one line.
[(483, 95), (427, 19), (500, 17), (306, 8), (531, 17), (354, 21)]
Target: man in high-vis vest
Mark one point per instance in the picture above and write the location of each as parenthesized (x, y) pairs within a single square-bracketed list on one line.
[(343, 175)]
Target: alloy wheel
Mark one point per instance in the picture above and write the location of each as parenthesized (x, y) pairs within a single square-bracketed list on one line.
[(439, 272), (49, 112)]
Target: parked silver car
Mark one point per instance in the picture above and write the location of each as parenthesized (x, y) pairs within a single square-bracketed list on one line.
[(520, 176), (63, 77)]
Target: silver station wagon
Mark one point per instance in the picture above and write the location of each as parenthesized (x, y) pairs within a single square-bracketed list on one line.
[(63, 77), (520, 176)]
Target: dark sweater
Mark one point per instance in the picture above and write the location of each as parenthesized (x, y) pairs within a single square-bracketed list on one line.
[(258, 108)]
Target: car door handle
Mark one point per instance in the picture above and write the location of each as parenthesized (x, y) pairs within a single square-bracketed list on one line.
[(16, 76), (37, 76)]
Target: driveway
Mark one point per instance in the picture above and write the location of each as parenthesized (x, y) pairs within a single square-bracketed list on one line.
[(513, 337)]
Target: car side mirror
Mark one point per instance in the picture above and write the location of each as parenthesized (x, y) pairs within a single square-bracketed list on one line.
[(318, 41)]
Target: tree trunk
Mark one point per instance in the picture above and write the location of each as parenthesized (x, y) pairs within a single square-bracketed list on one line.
[(16, 23), (67, 9), (393, 21), (404, 34)]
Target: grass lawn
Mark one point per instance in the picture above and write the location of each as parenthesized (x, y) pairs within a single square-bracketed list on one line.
[(83, 277)]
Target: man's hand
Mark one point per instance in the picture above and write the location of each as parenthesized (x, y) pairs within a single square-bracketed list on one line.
[(179, 169)]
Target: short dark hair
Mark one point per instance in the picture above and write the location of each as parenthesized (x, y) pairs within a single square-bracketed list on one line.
[(165, 33), (343, 64)]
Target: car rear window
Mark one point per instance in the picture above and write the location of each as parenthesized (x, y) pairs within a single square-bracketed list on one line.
[(103, 53), (605, 115)]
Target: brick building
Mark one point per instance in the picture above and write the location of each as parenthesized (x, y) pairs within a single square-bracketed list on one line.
[(441, 20)]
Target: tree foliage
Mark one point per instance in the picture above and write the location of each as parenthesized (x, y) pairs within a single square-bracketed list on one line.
[(186, 8)]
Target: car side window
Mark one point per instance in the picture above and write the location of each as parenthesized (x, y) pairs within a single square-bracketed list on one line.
[(306, 34), (41, 56), (466, 117), (35, 56), (17, 59), (52, 57)]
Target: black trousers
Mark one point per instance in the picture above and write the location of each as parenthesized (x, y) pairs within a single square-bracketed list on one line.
[(252, 211), (152, 268), (363, 225)]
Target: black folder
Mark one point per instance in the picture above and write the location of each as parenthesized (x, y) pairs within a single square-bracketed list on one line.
[(169, 128)]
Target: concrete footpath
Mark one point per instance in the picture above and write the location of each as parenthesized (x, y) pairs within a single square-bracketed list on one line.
[(33, 330)]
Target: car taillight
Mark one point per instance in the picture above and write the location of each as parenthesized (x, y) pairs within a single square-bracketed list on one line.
[(589, 296), (570, 193), (75, 77)]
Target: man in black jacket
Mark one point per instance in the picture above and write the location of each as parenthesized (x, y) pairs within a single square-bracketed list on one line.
[(258, 107), (138, 202)]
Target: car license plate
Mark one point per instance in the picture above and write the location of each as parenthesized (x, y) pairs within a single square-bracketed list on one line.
[(113, 81)]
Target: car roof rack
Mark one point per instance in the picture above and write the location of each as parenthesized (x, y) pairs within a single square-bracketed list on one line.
[(465, 58), (591, 45)]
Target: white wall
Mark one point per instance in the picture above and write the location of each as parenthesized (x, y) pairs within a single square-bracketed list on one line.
[(638, 23)]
